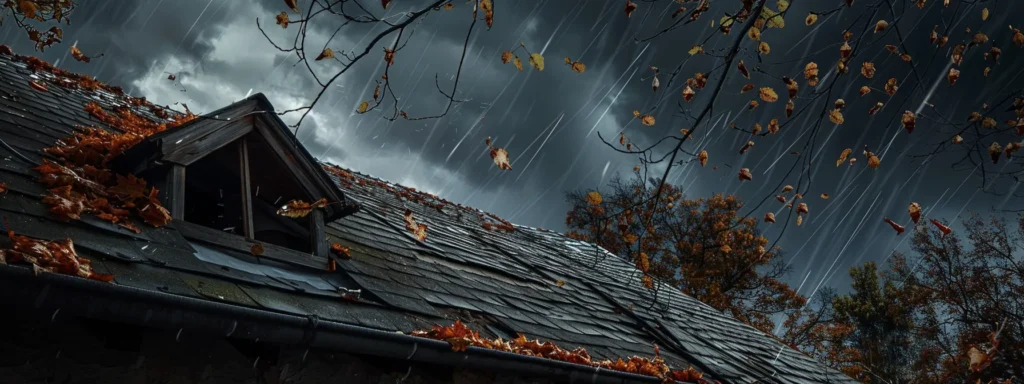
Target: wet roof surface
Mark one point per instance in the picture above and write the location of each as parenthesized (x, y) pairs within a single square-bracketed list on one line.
[(499, 282)]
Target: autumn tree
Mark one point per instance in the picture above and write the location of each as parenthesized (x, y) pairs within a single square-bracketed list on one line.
[(873, 336), (701, 246), (974, 289)]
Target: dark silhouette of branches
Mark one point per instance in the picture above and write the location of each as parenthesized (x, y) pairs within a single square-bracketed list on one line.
[(339, 62)]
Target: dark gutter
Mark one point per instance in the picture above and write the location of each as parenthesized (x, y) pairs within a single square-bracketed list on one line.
[(19, 288)]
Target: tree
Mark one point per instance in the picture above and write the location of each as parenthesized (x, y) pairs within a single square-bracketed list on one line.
[(872, 336), (702, 246), (974, 290)]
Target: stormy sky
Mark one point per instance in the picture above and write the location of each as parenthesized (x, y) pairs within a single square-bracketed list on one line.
[(549, 121)]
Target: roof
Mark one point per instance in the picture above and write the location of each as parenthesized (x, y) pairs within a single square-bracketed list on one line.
[(501, 279)]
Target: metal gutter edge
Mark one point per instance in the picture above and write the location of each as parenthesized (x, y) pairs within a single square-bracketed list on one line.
[(19, 288)]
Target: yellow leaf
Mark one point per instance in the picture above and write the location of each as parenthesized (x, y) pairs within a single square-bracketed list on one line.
[(537, 61), (768, 94), (363, 107), (696, 50), (842, 156), (594, 198), (783, 5), (772, 19), (811, 19), (984, 14), (836, 116), (518, 63), (326, 54)]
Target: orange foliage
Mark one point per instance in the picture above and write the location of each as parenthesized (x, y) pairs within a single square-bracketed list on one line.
[(460, 337), (702, 247), (49, 256)]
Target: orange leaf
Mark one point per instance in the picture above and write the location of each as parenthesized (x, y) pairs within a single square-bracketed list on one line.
[(419, 231), (299, 208), (36, 85), (257, 249), (898, 228)]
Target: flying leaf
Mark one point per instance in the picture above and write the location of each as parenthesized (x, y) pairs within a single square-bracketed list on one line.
[(953, 75), (703, 157), (891, 86), (783, 5), (576, 66), (836, 116), (944, 229), (878, 107), (769, 217), (994, 151), (864, 90), (824, 196), (647, 120), (773, 126), (867, 69), (957, 139), (881, 25), (363, 107), (500, 158), (746, 147), (293, 4), (811, 74), (915, 212), (688, 93), (594, 198), (630, 7), (898, 228), (506, 56), (78, 55), (745, 174), (909, 121), (842, 156), (768, 94), (792, 87), (787, 189), (518, 63), (384, 3), (873, 160), (300, 208), (655, 84), (327, 53), (811, 19), (537, 61), (696, 50), (488, 9), (790, 106), (743, 69)]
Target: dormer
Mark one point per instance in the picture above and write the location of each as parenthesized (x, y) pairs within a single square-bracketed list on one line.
[(228, 172)]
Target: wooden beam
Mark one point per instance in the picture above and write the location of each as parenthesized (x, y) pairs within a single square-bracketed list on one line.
[(318, 233), (243, 156), (175, 191)]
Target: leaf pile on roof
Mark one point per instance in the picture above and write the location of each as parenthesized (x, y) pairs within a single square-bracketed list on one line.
[(80, 181), (49, 256), (461, 337)]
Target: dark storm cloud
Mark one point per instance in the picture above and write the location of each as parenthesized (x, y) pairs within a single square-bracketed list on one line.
[(549, 120)]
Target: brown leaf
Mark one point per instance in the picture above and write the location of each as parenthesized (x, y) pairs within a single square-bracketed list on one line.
[(769, 217), (909, 121), (743, 69), (630, 7), (282, 19), (36, 85), (78, 55), (842, 156), (500, 158), (915, 212), (702, 157), (340, 251), (257, 249), (292, 4), (299, 208), (898, 228), (327, 53), (419, 231), (744, 174)]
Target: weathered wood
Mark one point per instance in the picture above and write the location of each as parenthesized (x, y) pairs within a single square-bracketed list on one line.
[(289, 256), (318, 234), (243, 157), (307, 172), (176, 191), (212, 136)]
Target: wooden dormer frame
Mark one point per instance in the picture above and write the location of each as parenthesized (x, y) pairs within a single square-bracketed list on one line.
[(176, 149)]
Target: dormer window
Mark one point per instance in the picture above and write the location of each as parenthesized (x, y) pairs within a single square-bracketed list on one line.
[(228, 174)]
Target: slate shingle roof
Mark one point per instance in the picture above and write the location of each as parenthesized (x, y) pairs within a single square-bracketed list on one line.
[(501, 283)]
